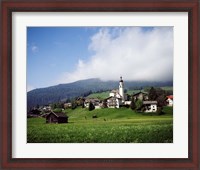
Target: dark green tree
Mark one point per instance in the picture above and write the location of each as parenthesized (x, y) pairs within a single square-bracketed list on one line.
[(133, 106), (105, 103), (152, 94), (74, 105), (83, 105), (161, 100), (138, 104), (91, 106)]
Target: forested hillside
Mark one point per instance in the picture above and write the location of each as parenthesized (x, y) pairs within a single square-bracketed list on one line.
[(64, 92)]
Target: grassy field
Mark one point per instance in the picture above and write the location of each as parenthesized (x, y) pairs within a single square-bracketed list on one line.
[(111, 126)]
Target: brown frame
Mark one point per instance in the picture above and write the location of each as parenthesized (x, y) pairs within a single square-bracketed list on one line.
[(9, 6)]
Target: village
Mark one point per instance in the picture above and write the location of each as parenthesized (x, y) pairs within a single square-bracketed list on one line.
[(140, 101)]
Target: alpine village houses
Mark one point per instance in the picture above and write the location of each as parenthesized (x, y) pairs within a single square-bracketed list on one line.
[(116, 99)]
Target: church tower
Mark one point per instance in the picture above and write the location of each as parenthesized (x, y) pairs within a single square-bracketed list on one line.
[(121, 88)]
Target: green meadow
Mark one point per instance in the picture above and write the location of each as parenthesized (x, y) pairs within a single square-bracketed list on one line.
[(103, 95), (111, 126)]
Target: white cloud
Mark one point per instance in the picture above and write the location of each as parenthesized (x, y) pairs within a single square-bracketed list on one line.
[(133, 52), (34, 48)]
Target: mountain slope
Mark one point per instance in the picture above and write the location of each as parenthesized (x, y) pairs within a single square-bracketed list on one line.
[(62, 92)]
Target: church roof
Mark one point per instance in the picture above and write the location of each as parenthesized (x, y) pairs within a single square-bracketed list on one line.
[(115, 91)]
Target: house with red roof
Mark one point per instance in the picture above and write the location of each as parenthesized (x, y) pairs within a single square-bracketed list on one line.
[(169, 100)]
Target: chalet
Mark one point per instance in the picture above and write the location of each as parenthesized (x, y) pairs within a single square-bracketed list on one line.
[(169, 100), (95, 102), (53, 117), (67, 105), (80, 101), (141, 96), (150, 106), (46, 108), (113, 102)]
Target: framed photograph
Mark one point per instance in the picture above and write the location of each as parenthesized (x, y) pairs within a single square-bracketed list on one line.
[(100, 84)]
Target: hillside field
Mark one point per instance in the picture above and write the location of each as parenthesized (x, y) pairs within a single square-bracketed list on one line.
[(111, 126), (103, 95)]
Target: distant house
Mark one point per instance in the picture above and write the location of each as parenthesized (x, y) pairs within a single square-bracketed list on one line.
[(150, 106), (113, 102), (53, 117), (141, 96), (46, 108), (115, 93), (95, 102), (80, 101), (67, 105), (169, 100)]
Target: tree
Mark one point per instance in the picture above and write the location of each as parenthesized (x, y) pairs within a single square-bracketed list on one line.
[(138, 104), (152, 94), (161, 100), (133, 106), (83, 105), (128, 97), (74, 105), (91, 106)]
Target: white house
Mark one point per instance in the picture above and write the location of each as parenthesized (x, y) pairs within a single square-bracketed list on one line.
[(95, 102), (150, 106), (113, 102), (169, 100), (115, 93)]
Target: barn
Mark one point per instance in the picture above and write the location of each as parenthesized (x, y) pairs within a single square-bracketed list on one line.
[(53, 117)]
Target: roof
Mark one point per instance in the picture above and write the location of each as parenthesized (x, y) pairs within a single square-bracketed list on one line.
[(170, 97), (58, 114), (92, 100), (114, 97), (115, 91), (150, 102), (139, 93)]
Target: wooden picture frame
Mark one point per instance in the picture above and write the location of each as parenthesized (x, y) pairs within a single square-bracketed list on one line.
[(10, 6)]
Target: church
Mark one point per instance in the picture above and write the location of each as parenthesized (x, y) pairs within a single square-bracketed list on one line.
[(117, 97)]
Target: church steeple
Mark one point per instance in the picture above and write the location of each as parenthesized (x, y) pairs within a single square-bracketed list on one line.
[(121, 79), (121, 88)]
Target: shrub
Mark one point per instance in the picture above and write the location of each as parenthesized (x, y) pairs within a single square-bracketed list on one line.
[(159, 111), (138, 104), (94, 116), (74, 105), (91, 106), (133, 106)]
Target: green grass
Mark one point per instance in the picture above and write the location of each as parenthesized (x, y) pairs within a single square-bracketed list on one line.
[(101, 95), (111, 126), (104, 95), (167, 88)]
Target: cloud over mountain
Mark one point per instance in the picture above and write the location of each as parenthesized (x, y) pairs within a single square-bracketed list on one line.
[(136, 53)]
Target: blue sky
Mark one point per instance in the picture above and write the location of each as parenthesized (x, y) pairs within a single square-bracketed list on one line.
[(58, 55), (54, 50)]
